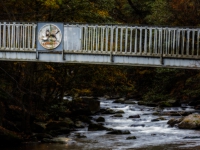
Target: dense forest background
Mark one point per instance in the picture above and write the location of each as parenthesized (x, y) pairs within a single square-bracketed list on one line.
[(33, 88)]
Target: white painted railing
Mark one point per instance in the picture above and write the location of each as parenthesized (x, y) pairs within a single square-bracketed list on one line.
[(118, 39), (17, 36), (141, 40)]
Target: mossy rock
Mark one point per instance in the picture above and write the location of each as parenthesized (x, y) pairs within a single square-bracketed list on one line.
[(190, 122)]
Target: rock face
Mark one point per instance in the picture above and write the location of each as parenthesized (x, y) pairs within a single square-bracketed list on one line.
[(190, 122)]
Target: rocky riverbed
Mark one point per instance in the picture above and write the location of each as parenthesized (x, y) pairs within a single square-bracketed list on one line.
[(123, 124)]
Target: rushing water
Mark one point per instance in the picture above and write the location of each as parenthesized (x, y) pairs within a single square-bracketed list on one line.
[(149, 135)]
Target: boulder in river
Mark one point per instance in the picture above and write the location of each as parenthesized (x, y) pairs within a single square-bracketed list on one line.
[(109, 111), (190, 122), (134, 116), (119, 132), (131, 138), (96, 127), (174, 121), (100, 119)]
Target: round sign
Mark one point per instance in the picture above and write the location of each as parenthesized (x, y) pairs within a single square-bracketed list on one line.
[(50, 36)]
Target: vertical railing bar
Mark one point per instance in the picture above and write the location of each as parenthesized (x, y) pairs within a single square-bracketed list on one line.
[(161, 50), (9, 36), (116, 39), (96, 27), (193, 33), (16, 39), (135, 49), (111, 42), (140, 40), (126, 39), (4, 35), (198, 34), (103, 29), (93, 39), (188, 41), (106, 38), (85, 37), (12, 34), (169, 42), (33, 36), (174, 40), (150, 40), (178, 42), (164, 39), (145, 41), (88, 47), (23, 36), (155, 40), (0, 34), (121, 35), (183, 42), (29, 36), (131, 39)]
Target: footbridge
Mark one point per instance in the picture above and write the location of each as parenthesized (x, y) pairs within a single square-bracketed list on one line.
[(100, 44)]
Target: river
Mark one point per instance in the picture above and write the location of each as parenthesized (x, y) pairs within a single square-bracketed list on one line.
[(150, 134)]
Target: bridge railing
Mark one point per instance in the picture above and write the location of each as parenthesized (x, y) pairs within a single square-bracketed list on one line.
[(183, 42), (17, 36), (118, 39)]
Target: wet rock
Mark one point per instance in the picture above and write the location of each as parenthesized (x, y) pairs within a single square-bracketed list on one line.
[(96, 127), (134, 116), (100, 119), (137, 125), (109, 111), (190, 122), (192, 137), (158, 119), (174, 121), (117, 115), (131, 138), (119, 132), (120, 100)]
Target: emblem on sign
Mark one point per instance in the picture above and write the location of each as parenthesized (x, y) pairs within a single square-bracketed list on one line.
[(50, 36)]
